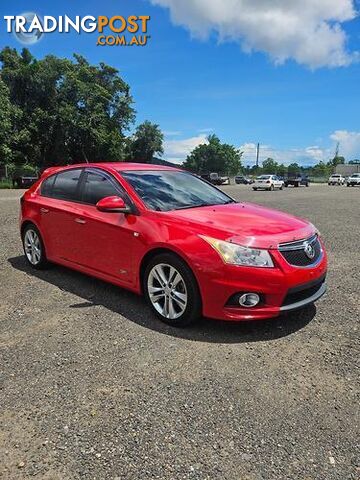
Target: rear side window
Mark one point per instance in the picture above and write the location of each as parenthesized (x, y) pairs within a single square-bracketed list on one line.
[(97, 187), (46, 186), (65, 186)]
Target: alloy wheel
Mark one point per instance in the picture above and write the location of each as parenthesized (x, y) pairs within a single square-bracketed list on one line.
[(167, 291), (32, 246)]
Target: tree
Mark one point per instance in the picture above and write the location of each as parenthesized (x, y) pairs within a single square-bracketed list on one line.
[(337, 160), (214, 156), (282, 170), (5, 123), (269, 166), (294, 168), (146, 142), (65, 111), (321, 170)]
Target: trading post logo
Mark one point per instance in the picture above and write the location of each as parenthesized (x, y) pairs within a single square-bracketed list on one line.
[(30, 27)]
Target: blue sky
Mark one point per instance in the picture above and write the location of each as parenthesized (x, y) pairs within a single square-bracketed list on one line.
[(296, 91)]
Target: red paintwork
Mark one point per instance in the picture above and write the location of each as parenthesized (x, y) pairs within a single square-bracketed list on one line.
[(105, 246)]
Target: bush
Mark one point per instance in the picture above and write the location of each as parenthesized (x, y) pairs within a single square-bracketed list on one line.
[(5, 184)]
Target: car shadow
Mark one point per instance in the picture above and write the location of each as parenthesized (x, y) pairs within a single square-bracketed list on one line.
[(134, 308)]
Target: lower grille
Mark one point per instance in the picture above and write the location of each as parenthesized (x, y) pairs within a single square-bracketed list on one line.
[(302, 292), (303, 253)]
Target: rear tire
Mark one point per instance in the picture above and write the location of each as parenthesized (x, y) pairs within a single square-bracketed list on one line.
[(171, 290), (34, 248), (255, 189), (272, 188)]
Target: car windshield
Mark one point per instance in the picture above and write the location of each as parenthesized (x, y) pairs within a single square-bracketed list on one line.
[(165, 190), (356, 175), (263, 177), (336, 176)]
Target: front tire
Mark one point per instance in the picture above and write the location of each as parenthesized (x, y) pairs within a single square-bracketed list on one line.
[(34, 248), (171, 290)]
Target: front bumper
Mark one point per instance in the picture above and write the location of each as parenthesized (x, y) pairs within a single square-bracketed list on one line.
[(282, 289)]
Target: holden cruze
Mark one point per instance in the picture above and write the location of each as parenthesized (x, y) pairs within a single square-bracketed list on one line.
[(186, 245)]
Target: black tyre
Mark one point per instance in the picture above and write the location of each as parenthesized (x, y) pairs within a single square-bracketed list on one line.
[(171, 290), (272, 188), (255, 189), (34, 248)]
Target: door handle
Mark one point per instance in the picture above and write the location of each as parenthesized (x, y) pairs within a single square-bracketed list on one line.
[(80, 220), (44, 210)]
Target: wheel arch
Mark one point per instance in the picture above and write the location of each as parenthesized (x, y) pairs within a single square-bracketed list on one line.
[(25, 223), (160, 250)]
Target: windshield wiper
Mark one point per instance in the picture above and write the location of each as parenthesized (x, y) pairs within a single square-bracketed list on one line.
[(204, 204)]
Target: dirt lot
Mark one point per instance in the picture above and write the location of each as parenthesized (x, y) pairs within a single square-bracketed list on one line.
[(93, 387)]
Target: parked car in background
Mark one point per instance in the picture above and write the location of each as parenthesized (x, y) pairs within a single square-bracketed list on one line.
[(24, 181), (268, 182), (336, 179), (296, 179), (215, 178), (241, 179), (187, 246), (353, 180)]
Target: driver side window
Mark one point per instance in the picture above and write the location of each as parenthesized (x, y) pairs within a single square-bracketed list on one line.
[(97, 187)]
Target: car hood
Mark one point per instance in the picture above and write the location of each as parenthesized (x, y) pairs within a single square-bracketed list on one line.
[(244, 223)]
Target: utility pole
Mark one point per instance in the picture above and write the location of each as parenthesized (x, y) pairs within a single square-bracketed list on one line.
[(257, 154)]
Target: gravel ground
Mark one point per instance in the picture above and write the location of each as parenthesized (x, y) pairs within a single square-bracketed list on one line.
[(93, 387)]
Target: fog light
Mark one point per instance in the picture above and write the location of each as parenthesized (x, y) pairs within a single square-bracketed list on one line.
[(249, 300)]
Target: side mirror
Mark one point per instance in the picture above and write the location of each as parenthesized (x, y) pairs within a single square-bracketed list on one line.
[(113, 204)]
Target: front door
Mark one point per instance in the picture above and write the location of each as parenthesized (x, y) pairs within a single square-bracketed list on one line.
[(106, 239)]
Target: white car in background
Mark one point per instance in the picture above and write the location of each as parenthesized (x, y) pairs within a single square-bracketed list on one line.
[(268, 182), (336, 179), (353, 180)]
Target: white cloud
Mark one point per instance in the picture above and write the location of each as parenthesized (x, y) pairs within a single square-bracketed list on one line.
[(303, 156), (308, 31), (177, 150), (171, 133), (206, 130), (349, 143)]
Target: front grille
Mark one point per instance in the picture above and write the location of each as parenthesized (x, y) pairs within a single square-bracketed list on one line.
[(295, 252), (302, 292)]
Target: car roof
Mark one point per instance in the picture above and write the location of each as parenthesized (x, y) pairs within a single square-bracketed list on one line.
[(111, 166), (121, 166)]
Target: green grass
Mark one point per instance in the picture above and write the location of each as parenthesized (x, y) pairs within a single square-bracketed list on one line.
[(5, 184)]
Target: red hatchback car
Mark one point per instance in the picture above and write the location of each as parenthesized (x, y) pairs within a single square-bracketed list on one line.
[(187, 246)]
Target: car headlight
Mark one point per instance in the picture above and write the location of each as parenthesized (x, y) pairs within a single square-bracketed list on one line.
[(238, 255)]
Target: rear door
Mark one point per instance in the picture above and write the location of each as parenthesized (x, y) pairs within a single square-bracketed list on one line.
[(106, 238), (59, 207), (277, 181)]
